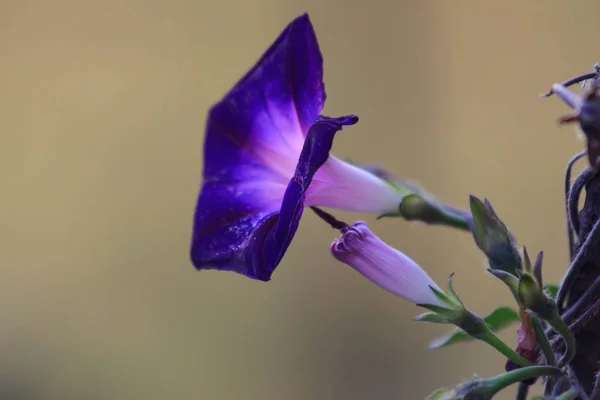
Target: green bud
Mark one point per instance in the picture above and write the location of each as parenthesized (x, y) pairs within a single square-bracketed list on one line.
[(493, 238), (415, 207), (532, 297)]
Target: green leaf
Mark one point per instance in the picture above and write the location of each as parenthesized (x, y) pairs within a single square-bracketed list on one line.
[(498, 319), (502, 317), (551, 290)]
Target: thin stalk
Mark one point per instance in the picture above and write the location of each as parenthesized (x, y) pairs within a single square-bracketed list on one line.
[(583, 302), (570, 394), (522, 391), (543, 340), (573, 199), (490, 338), (575, 383), (573, 81), (576, 265), (568, 172), (330, 219), (509, 378)]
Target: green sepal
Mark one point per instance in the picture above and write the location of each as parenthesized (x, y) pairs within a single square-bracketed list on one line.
[(452, 293), (530, 295), (498, 319), (432, 317), (443, 297), (437, 309), (526, 261), (509, 279)]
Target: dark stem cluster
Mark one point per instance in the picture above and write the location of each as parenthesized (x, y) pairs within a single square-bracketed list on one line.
[(581, 286)]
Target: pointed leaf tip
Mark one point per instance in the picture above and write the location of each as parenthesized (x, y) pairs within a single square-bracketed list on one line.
[(537, 268), (452, 292), (442, 296), (526, 260)]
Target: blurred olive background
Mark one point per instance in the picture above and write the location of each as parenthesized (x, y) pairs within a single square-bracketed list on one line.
[(102, 112)]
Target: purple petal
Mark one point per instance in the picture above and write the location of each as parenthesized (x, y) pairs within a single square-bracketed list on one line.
[(253, 137), (236, 233), (268, 112)]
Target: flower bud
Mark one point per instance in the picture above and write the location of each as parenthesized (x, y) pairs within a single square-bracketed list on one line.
[(383, 265), (493, 238)]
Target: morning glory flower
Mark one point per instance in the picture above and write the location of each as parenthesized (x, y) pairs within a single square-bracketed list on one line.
[(385, 266), (266, 157)]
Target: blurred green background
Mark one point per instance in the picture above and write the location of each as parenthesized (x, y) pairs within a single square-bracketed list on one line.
[(102, 115)]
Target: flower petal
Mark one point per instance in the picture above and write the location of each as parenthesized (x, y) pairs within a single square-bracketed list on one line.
[(244, 239), (267, 113), (253, 138)]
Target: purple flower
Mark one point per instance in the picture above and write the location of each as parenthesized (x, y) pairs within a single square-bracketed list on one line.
[(385, 266), (266, 157)]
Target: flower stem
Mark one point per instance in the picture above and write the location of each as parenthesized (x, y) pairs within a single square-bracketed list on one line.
[(501, 381), (563, 330), (330, 219), (570, 231), (450, 217), (490, 338), (543, 340), (568, 395), (576, 265), (522, 391), (573, 81)]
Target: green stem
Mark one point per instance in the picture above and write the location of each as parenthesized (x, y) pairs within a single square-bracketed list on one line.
[(501, 381), (568, 395), (453, 220), (490, 338), (563, 330), (543, 340)]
